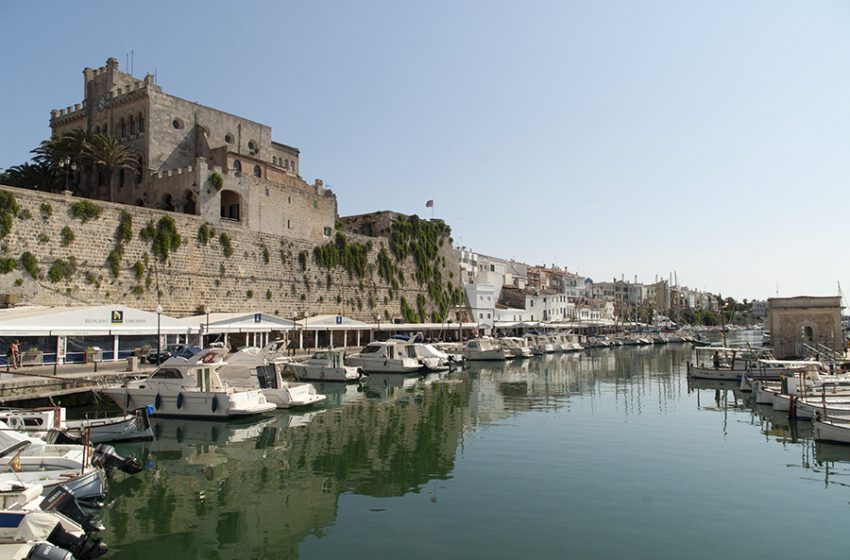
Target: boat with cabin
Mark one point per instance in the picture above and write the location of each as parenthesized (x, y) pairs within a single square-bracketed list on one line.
[(190, 388), (483, 349), (389, 356), (325, 365)]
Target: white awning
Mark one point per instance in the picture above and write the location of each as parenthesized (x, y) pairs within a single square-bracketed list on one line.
[(100, 320)]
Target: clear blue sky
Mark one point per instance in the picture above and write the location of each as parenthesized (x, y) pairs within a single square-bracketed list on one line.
[(611, 137)]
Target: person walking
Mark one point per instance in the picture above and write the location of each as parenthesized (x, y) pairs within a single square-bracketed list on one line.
[(15, 350)]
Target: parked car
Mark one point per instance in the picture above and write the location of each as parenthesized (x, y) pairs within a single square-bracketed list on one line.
[(171, 350)]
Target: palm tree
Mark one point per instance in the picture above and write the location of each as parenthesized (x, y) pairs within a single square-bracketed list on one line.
[(70, 151), (40, 175), (107, 153)]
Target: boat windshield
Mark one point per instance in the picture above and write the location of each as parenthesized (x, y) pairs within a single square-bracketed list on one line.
[(167, 373), (371, 349), (320, 356)]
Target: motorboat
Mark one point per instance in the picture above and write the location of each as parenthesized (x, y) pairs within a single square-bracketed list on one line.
[(326, 365), (539, 344), (483, 349), (389, 356), (248, 369), (81, 469), (190, 388), (51, 424), (431, 358), (517, 346), (735, 363)]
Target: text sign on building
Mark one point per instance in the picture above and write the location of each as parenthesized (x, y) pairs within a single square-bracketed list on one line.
[(117, 317)]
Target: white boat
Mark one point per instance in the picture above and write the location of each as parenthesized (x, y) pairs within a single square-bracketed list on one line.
[(831, 429), (248, 369), (517, 346), (189, 388), (432, 359), (483, 349), (325, 366), (722, 363), (81, 469), (385, 357), (51, 424)]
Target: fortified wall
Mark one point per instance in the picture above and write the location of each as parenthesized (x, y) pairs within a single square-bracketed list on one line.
[(64, 250)]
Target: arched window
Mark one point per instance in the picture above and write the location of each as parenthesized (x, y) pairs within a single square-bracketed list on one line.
[(123, 128), (121, 178), (132, 125), (168, 202), (237, 167), (141, 123), (230, 203), (257, 171)]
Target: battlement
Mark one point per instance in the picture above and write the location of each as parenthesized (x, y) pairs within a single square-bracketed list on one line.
[(172, 172)]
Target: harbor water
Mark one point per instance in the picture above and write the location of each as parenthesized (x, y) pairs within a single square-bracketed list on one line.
[(601, 454)]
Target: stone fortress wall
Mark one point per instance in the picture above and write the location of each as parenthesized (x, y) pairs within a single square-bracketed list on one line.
[(264, 272)]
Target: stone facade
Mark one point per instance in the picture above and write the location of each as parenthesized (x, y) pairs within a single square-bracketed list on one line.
[(181, 145), (813, 320), (264, 273)]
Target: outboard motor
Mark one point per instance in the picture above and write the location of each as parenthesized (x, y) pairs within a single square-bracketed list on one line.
[(81, 547), (63, 500), (47, 551), (110, 460)]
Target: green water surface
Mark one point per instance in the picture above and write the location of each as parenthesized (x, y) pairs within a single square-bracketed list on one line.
[(601, 454)]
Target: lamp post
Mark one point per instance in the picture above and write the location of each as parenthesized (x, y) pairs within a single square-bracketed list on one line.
[(158, 343), (68, 167)]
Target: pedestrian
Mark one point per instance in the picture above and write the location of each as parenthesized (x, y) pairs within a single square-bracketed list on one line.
[(293, 344), (716, 359), (15, 350)]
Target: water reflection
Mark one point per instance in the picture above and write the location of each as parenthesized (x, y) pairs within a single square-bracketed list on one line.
[(262, 488)]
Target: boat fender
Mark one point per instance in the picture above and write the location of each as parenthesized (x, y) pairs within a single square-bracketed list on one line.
[(214, 404), (157, 402), (180, 401)]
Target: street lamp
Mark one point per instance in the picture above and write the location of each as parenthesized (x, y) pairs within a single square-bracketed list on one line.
[(68, 166), (158, 339)]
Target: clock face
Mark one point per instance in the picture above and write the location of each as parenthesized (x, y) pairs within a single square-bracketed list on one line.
[(101, 103)]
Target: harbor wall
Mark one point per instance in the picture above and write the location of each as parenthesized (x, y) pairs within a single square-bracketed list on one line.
[(270, 273)]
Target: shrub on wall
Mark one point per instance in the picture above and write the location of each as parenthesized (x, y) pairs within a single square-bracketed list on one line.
[(24, 214), (46, 210), (113, 260), (85, 210), (30, 264), (124, 231), (226, 244), (205, 233), (9, 208), (62, 270), (67, 235), (166, 240), (7, 265), (217, 181)]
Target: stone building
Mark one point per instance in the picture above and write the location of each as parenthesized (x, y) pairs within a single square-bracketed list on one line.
[(195, 159), (811, 321)]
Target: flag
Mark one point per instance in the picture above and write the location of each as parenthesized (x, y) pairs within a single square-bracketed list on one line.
[(429, 204)]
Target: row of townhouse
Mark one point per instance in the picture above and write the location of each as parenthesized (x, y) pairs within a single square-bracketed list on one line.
[(503, 291)]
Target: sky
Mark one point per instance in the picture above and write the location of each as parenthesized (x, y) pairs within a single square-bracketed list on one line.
[(705, 140)]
